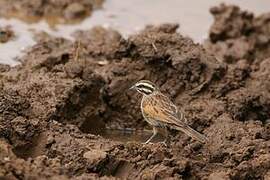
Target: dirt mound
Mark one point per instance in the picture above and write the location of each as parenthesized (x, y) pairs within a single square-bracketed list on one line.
[(65, 91), (53, 11), (237, 34)]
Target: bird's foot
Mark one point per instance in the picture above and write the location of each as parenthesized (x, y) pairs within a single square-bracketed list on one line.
[(147, 143), (164, 143)]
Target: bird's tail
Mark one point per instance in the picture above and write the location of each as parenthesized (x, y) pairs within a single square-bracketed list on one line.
[(192, 133)]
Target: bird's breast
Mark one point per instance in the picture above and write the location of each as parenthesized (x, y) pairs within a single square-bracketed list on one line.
[(152, 113)]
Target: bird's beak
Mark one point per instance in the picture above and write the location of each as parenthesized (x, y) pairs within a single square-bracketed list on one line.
[(132, 87)]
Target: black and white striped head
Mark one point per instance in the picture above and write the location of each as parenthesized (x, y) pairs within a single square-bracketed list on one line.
[(145, 87)]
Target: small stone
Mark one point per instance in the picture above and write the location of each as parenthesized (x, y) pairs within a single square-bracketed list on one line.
[(6, 159), (74, 10), (219, 176), (6, 33), (95, 155)]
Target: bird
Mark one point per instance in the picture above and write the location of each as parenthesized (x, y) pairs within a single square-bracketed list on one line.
[(161, 113)]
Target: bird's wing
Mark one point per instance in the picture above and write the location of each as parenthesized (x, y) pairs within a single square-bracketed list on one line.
[(161, 108)]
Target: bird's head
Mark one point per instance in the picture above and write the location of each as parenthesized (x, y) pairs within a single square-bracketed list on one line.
[(145, 87)]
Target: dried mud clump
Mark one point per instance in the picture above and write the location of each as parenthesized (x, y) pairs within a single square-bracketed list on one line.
[(99, 42), (64, 92), (242, 40), (68, 10), (6, 34), (54, 87), (237, 34), (4, 68), (15, 126)]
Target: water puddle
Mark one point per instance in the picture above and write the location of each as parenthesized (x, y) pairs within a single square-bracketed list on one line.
[(127, 135), (127, 17)]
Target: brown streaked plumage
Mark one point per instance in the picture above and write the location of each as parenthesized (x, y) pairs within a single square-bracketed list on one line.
[(159, 111)]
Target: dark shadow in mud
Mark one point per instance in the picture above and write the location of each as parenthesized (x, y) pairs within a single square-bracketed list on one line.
[(92, 125), (124, 169), (33, 149)]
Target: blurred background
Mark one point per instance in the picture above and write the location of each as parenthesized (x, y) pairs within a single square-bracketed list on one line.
[(128, 16)]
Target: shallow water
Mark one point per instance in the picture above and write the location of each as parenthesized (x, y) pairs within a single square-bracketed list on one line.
[(127, 135), (127, 17)]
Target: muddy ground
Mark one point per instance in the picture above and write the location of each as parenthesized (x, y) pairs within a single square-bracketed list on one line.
[(64, 92)]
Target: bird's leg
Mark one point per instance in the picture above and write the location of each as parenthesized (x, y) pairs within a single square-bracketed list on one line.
[(154, 134), (166, 135)]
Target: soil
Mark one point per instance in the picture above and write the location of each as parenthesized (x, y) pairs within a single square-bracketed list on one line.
[(64, 93), (54, 11), (6, 34), (238, 34)]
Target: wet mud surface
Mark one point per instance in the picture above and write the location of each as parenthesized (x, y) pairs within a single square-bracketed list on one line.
[(54, 105)]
